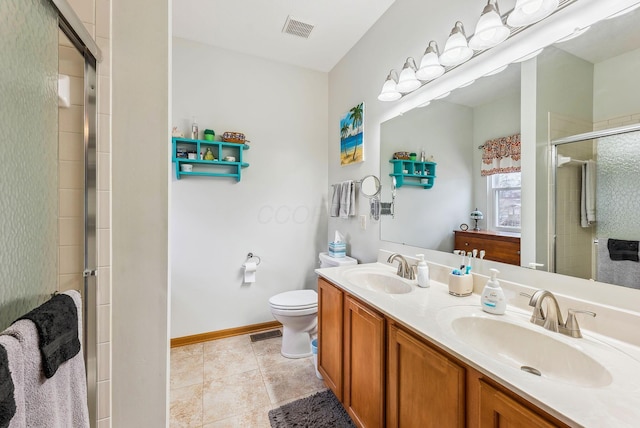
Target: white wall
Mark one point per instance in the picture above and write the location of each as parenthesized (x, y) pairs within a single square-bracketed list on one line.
[(140, 169), (612, 80), (278, 210), (427, 217)]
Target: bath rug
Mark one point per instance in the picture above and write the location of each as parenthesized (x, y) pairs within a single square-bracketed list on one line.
[(266, 335), (320, 410)]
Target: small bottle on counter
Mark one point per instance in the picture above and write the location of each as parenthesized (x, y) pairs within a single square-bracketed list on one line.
[(423, 272), (492, 296)]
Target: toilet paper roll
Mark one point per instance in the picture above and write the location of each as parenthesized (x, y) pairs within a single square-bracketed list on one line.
[(250, 271)]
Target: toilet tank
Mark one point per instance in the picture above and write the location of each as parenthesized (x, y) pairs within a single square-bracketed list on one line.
[(328, 261)]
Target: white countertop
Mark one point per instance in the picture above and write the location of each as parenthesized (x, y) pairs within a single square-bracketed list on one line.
[(424, 310)]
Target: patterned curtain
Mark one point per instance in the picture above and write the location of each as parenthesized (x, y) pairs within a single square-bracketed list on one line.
[(501, 156)]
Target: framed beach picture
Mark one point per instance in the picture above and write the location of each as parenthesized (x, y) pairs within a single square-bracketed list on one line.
[(351, 136)]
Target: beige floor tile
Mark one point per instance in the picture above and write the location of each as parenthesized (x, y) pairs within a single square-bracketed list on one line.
[(291, 379), (234, 396), (268, 352), (228, 357), (186, 365), (257, 419), (186, 407)]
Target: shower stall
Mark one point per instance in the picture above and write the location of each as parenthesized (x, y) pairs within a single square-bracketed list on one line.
[(592, 210), (48, 122)]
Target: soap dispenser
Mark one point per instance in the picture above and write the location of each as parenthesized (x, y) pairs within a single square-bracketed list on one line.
[(492, 296), (423, 272)]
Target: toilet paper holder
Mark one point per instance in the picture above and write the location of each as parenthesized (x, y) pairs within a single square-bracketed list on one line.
[(252, 256)]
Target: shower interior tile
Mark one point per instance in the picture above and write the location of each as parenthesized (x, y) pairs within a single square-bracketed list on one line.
[(104, 398), (70, 146), (104, 321), (104, 361), (71, 259), (71, 203), (84, 9), (104, 133), (71, 175), (70, 281), (104, 247), (104, 209), (104, 67), (71, 119), (103, 18), (104, 89), (71, 231), (104, 285)]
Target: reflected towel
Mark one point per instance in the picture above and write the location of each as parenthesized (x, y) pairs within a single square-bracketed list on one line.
[(588, 194), (624, 272), (347, 199), (334, 211), (623, 250)]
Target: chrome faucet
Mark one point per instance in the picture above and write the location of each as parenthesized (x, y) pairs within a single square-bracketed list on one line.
[(552, 319), (404, 269)]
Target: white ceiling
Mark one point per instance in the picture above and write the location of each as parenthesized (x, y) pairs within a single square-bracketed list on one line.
[(254, 27)]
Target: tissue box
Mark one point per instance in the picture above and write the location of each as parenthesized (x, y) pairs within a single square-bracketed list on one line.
[(337, 249)]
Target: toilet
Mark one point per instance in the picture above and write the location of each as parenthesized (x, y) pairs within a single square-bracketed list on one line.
[(297, 311)]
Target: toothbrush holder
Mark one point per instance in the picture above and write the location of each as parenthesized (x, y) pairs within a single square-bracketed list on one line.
[(460, 285)]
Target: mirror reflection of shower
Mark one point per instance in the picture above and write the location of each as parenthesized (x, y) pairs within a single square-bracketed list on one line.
[(596, 206)]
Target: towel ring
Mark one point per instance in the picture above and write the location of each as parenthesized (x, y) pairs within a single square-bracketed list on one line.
[(251, 256)]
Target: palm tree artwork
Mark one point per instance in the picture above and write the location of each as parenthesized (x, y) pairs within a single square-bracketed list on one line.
[(351, 136)]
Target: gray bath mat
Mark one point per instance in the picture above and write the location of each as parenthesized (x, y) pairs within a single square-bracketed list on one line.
[(320, 410)]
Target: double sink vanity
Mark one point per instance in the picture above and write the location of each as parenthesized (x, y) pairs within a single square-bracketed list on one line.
[(396, 354)]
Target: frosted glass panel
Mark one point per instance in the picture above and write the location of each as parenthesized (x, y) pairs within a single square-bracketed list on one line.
[(618, 201), (28, 149)]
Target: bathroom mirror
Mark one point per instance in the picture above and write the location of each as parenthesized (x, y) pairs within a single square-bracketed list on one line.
[(370, 186), (582, 84)]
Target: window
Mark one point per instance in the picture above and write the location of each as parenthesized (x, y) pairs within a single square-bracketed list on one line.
[(505, 189)]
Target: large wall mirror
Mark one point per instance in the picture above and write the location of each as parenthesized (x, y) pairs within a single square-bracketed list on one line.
[(581, 85)]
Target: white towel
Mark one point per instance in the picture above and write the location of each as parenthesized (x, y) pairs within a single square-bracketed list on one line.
[(335, 200), (347, 199), (60, 401), (588, 194), (16, 367)]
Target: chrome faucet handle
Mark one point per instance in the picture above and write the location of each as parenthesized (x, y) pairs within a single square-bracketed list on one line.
[(571, 326)]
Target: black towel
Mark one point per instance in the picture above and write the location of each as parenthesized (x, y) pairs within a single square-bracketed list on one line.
[(57, 324), (623, 250), (7, 402)]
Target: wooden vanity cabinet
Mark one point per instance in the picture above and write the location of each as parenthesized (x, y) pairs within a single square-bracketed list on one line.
[(351, 353), (330, 339), (498, 247), (364, 364), (424, 387), (387, 376)]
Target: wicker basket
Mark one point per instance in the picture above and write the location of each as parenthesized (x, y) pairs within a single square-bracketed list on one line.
[(233, 137)]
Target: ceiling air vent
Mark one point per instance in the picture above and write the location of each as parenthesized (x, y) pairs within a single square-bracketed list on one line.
[(297, 28)]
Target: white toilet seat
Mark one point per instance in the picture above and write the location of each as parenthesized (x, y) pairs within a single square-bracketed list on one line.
[(294, 312), (296, 299)]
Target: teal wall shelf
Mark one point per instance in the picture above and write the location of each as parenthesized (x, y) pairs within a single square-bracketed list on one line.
[(418, 174), (208, 168)]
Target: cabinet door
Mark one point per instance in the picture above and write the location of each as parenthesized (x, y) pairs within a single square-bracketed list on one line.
[(330, 312), (499, 410), (424, 388), (363, 364)]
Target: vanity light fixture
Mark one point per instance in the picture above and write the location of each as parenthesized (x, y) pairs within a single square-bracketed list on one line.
[(624, 11), (424, 104), (408, 81), (445, 95), (577, 32), (529, 56), (490, 31), (389, 91), (430, 67), (496, 71), (456, 50), (467, 84), (527, 12)]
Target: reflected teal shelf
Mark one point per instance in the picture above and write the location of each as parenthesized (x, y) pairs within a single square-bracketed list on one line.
[(418, 173), (208, 168)]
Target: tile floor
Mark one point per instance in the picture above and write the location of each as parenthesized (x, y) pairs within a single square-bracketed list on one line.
[(233, 382)]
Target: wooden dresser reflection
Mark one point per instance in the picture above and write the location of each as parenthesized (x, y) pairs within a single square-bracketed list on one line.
[(499, 247)]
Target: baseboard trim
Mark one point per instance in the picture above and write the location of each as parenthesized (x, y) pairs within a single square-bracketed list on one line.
[(213, 335)]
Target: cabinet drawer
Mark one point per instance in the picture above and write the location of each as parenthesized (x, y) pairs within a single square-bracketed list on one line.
[(505, 249)]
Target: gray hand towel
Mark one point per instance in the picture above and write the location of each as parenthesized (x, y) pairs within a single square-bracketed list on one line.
[(57, 323), (15, 359), (334, 211), (7, 400), (60, 401)]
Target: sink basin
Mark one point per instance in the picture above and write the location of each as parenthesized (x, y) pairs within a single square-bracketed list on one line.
[(380, 281), (517, 343)]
